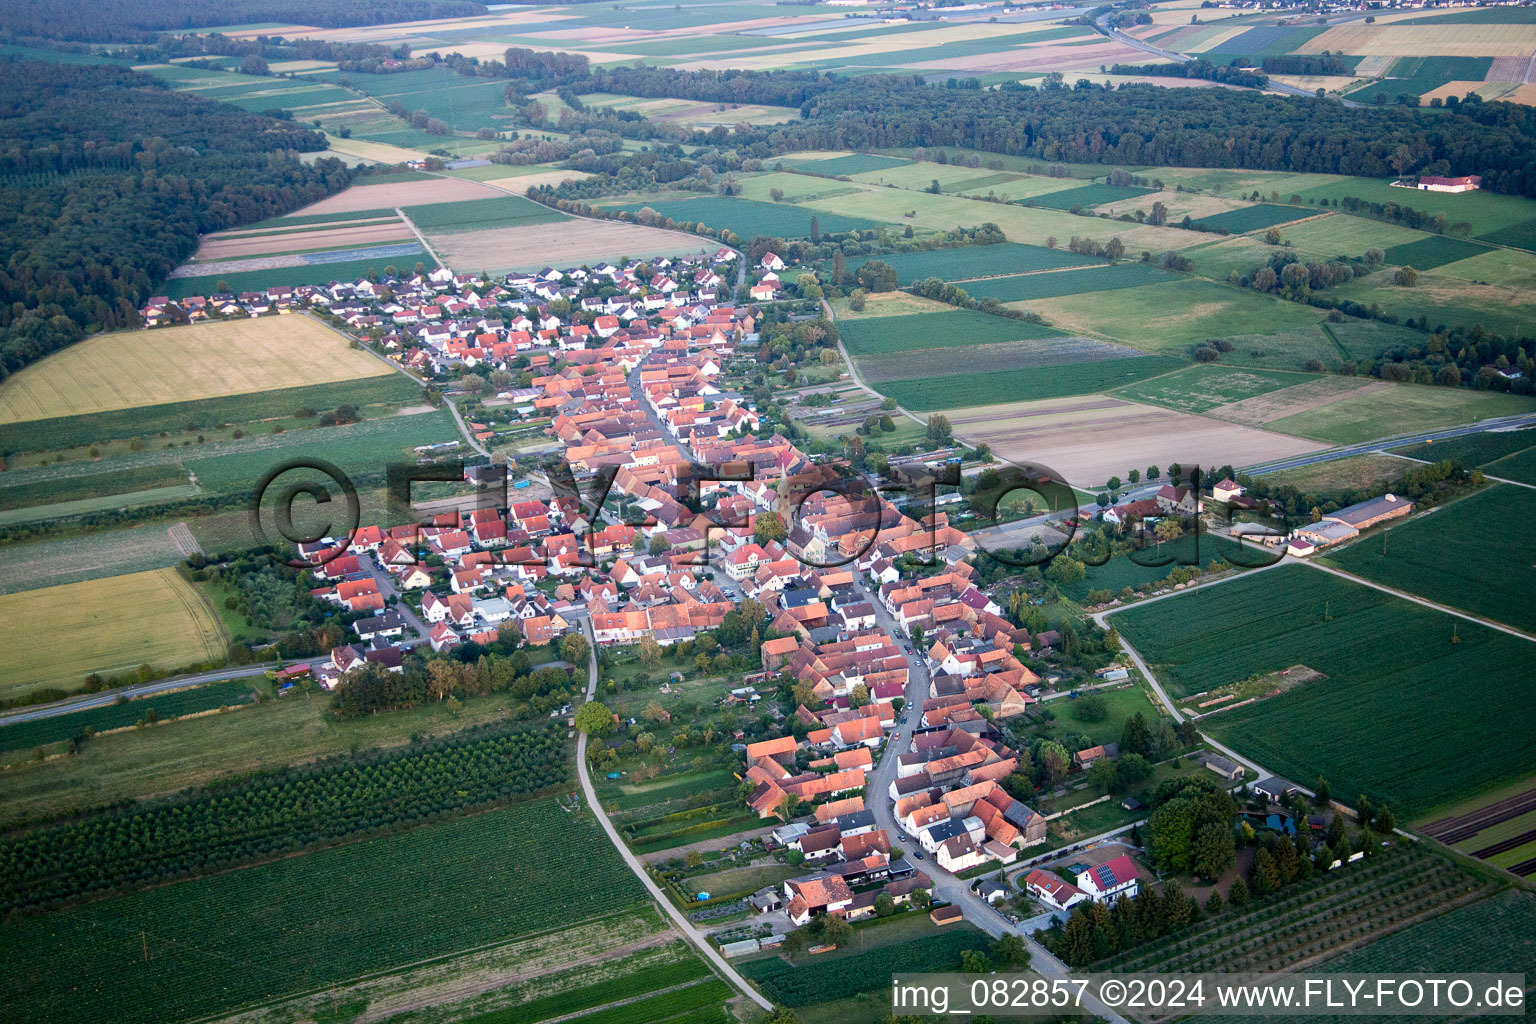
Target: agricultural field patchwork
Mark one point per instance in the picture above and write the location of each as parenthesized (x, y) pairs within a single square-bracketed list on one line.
[(1464, 556), (961, 390), (749, 218), (1377, 722), (842, 976), (1086, 195), (1504, 453), (967, 263), (1046, 352), (1253, 218), (114, 624), (127, 370), (454, 886), (1202, 388), (1383, 412)]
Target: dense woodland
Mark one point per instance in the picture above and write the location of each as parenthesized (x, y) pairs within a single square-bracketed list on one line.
[(107, 178), (140, 20)]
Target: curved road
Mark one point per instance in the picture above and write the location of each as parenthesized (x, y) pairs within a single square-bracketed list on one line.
[(682, 923), (946, 886)]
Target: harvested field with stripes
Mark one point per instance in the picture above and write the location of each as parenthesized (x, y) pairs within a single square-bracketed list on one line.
[(1501, 831)]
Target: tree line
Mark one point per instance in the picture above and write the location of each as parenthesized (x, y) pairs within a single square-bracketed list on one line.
[(140, 20), (106, 180), (267, 815)]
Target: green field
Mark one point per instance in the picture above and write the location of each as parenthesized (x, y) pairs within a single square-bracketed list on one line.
[(191, 701), (1434, 251), (1486, 211), (372, 906), (748, 218), (1505, 453), (973, 261), (1521, 235), (1472, 555), (1054, 351), (1493, 934), (1175, 316), (1253, 218), (854, 163), (1157, 561), (1202, 388), (820, 980), (475, 214), (1382, 722), (1087, 195), (1400, 409), (887, 334), (960, 390), (1024, 287)]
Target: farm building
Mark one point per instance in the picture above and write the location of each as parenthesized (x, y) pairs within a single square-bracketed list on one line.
[(1369, 513), (1465, 183), (1222, 766)]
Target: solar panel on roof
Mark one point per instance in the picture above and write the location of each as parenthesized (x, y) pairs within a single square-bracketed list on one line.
[(1106, 876)]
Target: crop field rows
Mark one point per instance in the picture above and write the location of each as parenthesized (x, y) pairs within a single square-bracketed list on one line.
[(1460, 556), (1353, 902), (372, 905), (1366, 727), (191, 701), (114, 625), (819, 981), (1505, 453), (748, 218), (967, 263)]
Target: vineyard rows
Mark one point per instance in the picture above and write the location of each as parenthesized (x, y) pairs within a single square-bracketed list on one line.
[(1346, 905), (267, 815)]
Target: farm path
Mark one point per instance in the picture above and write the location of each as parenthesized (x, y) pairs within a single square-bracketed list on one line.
[(478, 984), (97, 700), (1486, 476), (681, 922), (469, 438), (422, 239), (854, 373), (1406, 596)]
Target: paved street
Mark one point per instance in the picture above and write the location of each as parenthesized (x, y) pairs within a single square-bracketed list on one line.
[(945, 886)]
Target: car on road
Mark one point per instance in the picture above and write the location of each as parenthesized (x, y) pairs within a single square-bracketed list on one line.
[(918, 854)]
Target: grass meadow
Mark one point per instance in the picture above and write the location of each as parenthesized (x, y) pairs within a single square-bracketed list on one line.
[(1398, 410)]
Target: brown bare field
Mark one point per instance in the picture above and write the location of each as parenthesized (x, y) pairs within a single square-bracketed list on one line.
[(403, 193), (1411, 40), (1297, 398), (216, 248), (1090, 439), (564, 243), (1523, 94)]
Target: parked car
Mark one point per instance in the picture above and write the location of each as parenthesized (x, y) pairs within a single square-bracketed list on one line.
[(918, 854)]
